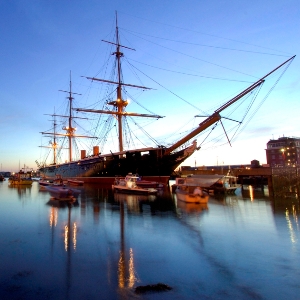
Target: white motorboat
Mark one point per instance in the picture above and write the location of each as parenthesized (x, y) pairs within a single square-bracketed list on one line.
[(130, 186)]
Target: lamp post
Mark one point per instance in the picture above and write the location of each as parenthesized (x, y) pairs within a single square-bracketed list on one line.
[(283, 155)]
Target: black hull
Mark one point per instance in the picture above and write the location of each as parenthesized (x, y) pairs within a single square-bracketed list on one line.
[(154, 164)]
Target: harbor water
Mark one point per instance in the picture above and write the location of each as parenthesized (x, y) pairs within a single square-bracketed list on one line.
[(105, 245)]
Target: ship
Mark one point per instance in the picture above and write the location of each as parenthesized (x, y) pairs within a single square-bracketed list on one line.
[(151, 163)]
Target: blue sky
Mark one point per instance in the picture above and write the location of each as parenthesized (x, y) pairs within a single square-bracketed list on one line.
[(41, 41)]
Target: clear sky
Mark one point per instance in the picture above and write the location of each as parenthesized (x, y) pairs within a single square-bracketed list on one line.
[(240, 41)]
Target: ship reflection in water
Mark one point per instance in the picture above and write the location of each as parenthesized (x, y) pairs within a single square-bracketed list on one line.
[(105, 245)]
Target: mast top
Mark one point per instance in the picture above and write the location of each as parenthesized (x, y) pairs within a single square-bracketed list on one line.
[(119, 103)]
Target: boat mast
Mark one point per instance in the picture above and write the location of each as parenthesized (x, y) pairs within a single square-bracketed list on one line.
[(70, 130), (119, 104), (54, 145)]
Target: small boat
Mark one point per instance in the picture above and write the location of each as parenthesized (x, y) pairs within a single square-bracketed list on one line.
[(75, 182), (149, 184), (62, 193), (191, 194), (58, 181), (226, 185), (204, 180), (45, 182), (129, 185), (20, 178), (2, 177), (141, 182)]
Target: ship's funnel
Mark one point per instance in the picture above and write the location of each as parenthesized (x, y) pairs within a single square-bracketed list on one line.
[(83, 154), (96, 150)]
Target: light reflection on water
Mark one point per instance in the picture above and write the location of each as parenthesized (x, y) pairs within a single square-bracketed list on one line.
[(242, 246)]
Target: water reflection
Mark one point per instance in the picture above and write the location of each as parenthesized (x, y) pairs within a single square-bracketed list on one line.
[(252, 192), (190, 208), (22, 191), (138, 203), (227, 200), (70, 233), (70, 228), (134, 202), (290, 226), (53, 216), (126, 271), (69, 237), (106, 244)]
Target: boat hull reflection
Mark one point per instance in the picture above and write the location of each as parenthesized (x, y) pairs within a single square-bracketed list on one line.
[(191, 207), (133, 201)]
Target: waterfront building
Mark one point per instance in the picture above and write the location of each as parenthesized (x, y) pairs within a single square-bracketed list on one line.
[(283, 152), (5, 174)]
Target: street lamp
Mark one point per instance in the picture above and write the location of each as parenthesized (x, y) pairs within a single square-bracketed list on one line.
[(283, 155)]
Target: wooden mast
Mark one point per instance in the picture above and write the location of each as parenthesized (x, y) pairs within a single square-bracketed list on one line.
[(119, 104), (70, 130), (53, 144)]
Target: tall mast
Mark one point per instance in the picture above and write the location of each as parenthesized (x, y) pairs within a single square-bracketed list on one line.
[(54, 145), (70, 130), (119, 103)]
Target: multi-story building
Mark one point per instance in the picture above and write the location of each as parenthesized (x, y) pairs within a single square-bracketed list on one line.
[(283, 152)]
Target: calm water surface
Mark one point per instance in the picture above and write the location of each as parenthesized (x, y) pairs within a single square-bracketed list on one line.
[(243, 246)]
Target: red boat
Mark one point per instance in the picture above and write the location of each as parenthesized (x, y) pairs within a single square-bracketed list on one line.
[(75, 182)]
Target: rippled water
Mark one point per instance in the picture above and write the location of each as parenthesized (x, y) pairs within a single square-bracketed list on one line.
[(242, 246)]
